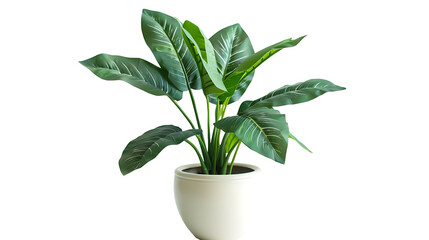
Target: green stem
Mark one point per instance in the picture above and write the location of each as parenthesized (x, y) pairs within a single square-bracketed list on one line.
[(183, 112), (208, 121), (217, 110), (220, 112), (201, 136), (225, 163), (204, 150), (233, 158), (221, 151), (200, 140), (203, 166), (214, 140), (225, 104), (215, 144), (194, 106)]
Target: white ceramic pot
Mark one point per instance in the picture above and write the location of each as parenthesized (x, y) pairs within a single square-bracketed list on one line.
[(214, 207)]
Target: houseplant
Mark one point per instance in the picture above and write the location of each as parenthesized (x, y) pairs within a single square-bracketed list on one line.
[(222, 66)]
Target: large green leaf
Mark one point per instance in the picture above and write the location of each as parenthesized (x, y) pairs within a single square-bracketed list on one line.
[(211, 78), (146, 147), (232, 46), (252, 62), (137, 72), (264, 130), (293, 94), (163, 35)]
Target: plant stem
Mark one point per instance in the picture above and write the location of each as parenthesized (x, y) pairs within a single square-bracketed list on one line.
[(221, 151), (201, 136), (203, 166), (181, 110), (225, 104), (233, 158), (204, 150), (217, 110), (200, 140), (225, 163), (214, 141), (194, 106), (208, 121), (215, 144), (216, 148)]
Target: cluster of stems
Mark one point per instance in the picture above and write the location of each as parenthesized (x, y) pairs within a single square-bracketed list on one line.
[(213, 156)]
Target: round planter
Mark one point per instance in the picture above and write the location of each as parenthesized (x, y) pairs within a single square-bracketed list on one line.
[(214, 207)]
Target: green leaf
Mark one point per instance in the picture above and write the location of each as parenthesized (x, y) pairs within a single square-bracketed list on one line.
[(264, 130), (163, 35), (241, 88), (137, 72), (146, 147), (211, 78), (252, 62), (230, 142), (293, 94), (232, 46), (299, 142)]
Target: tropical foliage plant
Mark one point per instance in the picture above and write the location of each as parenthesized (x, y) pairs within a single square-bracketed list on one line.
[(222, 66)]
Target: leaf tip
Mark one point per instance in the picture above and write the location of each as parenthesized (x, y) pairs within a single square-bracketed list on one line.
[(84, 62), (145, 11), (123, 172), (122, 169), (298, 40)]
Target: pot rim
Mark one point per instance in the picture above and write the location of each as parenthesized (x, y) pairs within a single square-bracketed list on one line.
[(204, 177)]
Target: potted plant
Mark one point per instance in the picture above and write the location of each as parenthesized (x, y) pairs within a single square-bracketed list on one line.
[(209, 195)]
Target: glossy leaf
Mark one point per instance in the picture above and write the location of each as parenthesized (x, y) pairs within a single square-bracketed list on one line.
[(252, 62), (264, 130), (137, 72), (293, 94), (147, 146), (211, 78), (241, 88), (163, 35), (232, 46), (299, 142), (193, 49)]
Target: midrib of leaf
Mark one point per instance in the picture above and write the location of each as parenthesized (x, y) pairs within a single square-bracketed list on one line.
[(253, 67), (155, 143), (261, 129), (259, 62), (234, 45), (291, 90), (185, 74), (210, 83), (179, 57), (148, 148), (228, 56)]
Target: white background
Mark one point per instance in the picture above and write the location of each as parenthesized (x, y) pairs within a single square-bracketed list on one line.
[(62, 129)]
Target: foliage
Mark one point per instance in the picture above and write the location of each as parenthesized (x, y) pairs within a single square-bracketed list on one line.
[(222, 66)]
